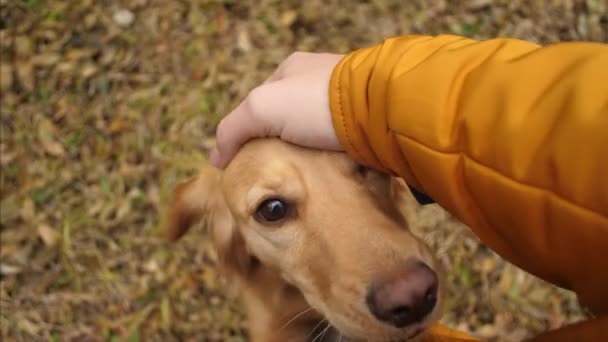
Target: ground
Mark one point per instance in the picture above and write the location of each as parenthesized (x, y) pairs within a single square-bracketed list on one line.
[(106, 105)]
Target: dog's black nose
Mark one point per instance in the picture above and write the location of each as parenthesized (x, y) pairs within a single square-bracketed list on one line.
[(405, 298)]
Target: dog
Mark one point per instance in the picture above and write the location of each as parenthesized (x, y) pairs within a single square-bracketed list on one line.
[(316, 243)]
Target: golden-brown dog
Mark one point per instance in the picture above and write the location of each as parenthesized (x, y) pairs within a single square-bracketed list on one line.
[(317, 244)]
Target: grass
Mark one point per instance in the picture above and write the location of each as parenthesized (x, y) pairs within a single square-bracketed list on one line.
[(93, 144)]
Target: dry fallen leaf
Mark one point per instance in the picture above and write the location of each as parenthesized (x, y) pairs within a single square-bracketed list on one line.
[(28, 326), (6, 269), (6, 155), (24, 47), (48, 235), (47, 135), (119, 124), (288, 18), (25, 75), (46, 59), (88, 71), (27, 210), (6, 77), (475, 5), (123, 17), (243, 40)]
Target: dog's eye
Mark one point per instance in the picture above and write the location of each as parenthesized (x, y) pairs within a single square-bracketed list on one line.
[(272, 210)]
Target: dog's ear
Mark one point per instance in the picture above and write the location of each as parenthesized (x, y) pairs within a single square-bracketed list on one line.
[(192, 200), (200, 199)]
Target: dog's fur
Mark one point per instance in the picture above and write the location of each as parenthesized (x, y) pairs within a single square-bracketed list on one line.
[(313, 269)]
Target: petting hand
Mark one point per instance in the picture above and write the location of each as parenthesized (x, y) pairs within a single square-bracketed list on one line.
[(292, 104)]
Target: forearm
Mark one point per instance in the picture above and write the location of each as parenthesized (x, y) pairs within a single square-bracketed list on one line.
[(507, 135)]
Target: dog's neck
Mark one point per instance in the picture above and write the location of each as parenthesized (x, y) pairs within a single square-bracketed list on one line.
[(277, 311)]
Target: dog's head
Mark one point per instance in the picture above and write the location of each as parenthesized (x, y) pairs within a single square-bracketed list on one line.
[(325, 225)]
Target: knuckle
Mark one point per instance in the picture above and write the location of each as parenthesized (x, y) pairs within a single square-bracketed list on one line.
[(294, 56)]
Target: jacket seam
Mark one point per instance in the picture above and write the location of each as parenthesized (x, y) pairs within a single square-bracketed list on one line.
[(499, 173)]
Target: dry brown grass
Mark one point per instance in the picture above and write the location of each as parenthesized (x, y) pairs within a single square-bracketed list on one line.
[(101, 116)]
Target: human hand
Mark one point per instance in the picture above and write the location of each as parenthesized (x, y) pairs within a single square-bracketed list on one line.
[(293, 104)]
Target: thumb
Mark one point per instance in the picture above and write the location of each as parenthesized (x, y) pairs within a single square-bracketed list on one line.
[(232, 132), (216, 159)]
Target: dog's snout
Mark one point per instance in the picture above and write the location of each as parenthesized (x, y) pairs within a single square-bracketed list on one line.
[(405, 298)]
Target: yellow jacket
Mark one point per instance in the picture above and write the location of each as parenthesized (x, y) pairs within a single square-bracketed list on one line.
[(509, 136)]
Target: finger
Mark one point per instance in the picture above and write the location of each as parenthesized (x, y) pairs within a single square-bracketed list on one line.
[(232, 132), (215, 158), (277, 74)]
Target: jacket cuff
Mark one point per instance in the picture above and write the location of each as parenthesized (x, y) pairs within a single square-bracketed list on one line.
[(347, 129)]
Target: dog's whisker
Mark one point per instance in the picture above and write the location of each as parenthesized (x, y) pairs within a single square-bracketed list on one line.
[(316, 326), (339, 338), (322, 333), (441, 253), (429, 238), (294, 318)]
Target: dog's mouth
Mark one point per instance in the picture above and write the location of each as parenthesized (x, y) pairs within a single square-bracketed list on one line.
[(416, 333), (358, 325)]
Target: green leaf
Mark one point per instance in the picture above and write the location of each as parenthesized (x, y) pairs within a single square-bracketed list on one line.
[(73, 138), (469, 30), (42, 194), (137, 201)]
